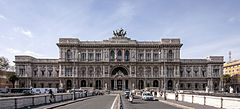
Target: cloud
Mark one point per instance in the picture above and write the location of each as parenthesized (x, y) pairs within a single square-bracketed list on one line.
[(26, 52), (25, 32), (2, 17), (233, 19)]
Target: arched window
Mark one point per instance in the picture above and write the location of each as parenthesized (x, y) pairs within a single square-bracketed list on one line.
[(127, 56), (155, 83), (112, 55), (69, 54), (119, 55), (170, 54)]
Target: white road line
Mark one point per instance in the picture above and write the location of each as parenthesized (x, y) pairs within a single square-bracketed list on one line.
[(112, 107), (176, 105)]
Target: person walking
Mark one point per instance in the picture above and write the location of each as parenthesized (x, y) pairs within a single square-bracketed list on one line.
[(52, 97)]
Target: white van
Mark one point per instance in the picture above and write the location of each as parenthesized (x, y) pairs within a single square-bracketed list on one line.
[(44, 90)]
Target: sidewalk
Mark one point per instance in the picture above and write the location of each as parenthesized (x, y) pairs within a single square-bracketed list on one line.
[(185, 105), (54, 105)]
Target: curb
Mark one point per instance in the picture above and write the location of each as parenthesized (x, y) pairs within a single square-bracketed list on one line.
[(66, 103), (176, 105)]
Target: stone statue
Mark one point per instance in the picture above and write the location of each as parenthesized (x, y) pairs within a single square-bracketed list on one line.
[(119, 33)]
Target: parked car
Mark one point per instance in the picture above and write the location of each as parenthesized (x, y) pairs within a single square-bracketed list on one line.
[(126, 94), (147, 96)]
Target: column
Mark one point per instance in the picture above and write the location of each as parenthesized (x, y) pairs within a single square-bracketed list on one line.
[(144, 55), (94, 54), (115, 52), (151, 55), (123, 55), (87, 54)]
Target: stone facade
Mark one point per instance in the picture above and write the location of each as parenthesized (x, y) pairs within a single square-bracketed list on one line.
[(120, 63)]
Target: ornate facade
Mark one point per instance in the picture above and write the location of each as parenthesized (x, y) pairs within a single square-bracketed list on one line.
[(120, 63)]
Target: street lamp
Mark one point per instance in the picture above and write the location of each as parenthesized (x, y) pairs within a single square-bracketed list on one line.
[(74, 80), (164, 78)]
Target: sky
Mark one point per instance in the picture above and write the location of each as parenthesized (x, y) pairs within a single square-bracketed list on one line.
[(205, 27)]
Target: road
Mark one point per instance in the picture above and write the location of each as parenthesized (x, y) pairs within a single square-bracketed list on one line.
[(96, 102), (140, 104)]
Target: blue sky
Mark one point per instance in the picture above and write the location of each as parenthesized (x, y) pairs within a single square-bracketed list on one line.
[(205, 27)]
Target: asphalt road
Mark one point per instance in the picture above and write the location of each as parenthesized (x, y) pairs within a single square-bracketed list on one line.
[(97, 102), (140, 104)]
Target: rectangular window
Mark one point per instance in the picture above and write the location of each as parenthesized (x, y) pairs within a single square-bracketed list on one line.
[(90, 56), (215, 72), (155, 57), (57, 85), (21, 71), (83, 56), (49, 85), (98, 56), (35, 73), (148, 57), (140, 57), (68, 72)]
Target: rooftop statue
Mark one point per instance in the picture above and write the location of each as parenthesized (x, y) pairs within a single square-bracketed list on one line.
[(119, 33)]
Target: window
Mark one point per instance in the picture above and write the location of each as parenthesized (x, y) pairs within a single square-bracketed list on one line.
[(69, 54), (170, 72), (203, 73), (119, 55), (50, 73), (35, 72), (42, 85), (196, 74), (140, 57), (170, 54), (83, 56), (42, 72), (34, 85), (189, 85), (112, 55), (215, 72), (90, 57), (49, 85), (98, 56), (148, 57), (155, 56), (189, 74), (68, 72), (181, 73), (127, 55), (21, 71), (83, 73), (57, 85)]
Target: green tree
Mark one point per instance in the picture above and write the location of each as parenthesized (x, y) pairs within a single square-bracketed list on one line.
[(226, 78), (4, 63), (13, 79)]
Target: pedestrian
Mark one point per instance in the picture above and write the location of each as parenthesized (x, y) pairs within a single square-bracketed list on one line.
[(176, 95), (51, 98)]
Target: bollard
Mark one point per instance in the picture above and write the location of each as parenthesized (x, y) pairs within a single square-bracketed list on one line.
[(45, 99), (33, 101), (182, 98), (204, 100), (192, 98), (221, 102), (15, 99)]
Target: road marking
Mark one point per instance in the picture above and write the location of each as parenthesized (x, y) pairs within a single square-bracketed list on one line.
[(112, 107), (176, 105)]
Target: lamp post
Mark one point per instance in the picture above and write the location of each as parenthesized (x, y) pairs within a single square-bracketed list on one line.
[(74, 80), (164, 75)]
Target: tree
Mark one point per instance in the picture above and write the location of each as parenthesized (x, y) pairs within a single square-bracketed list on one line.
[(4, 63), (13, 79), (226, 78)]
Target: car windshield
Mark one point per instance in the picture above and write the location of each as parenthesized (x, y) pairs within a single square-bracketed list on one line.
[(147, 94)]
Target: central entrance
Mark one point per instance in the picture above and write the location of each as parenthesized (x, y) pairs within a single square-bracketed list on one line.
[(119, 84), (119, 81)]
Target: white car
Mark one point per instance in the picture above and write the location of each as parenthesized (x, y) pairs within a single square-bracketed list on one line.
[(147, 96)]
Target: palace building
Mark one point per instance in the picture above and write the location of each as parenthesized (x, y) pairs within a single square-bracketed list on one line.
[(120, 63)]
